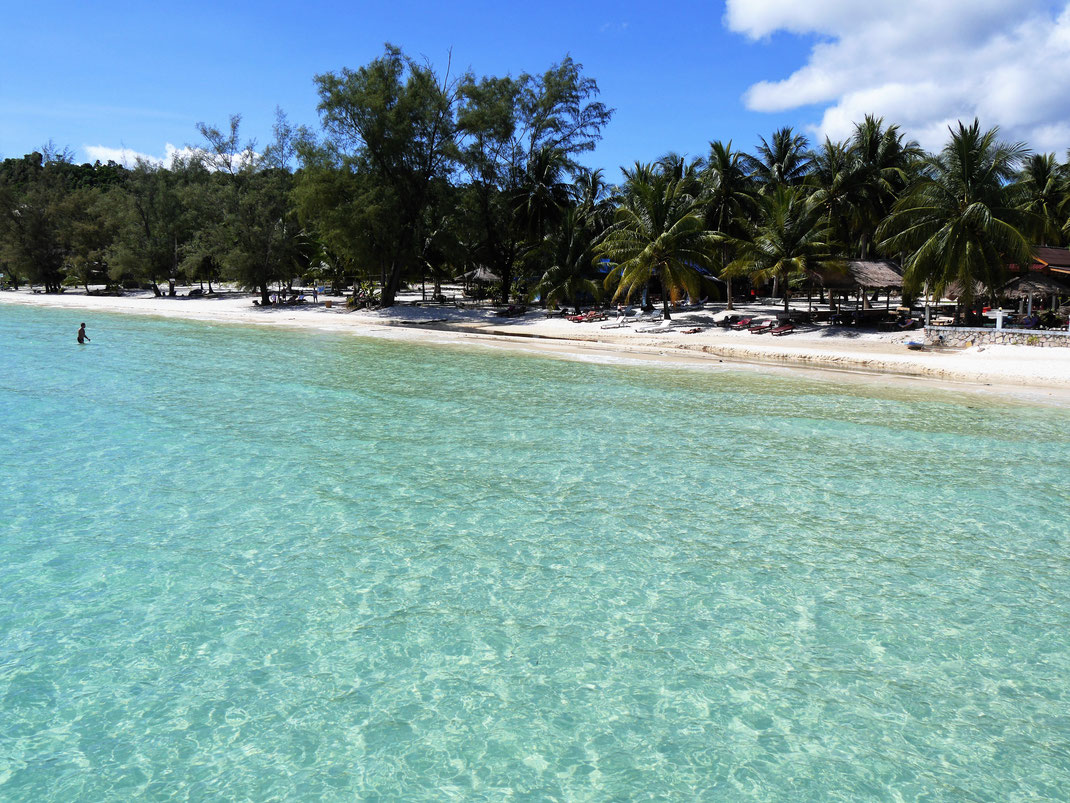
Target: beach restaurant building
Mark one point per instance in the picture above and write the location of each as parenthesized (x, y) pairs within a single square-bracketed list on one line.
[(1052, 261)]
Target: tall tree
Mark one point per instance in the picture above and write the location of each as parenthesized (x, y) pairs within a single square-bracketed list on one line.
[(92, 224), (34, 230), (788, 239), (153, 227), (571, 274), (259, 239), (887, 163), (1043, 189), (958, 224), (659, 232), (391, 121), (592, 196), (729, 194), (518, 135), (839, 187), (782, 161)]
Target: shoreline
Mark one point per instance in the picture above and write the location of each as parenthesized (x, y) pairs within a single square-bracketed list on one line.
[(1022, 371)]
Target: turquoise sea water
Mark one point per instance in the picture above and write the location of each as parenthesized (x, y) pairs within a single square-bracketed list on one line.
[(252, 564)]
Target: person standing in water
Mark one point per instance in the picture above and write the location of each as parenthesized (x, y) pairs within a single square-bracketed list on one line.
[(83, 338)]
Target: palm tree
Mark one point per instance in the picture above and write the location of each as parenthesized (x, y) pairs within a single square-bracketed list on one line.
[(543, 195), (839, 189), (1044, 191), (571, 274), (658, 232), (729, 196), (590, 194), (958, 224), (888, 164), (786, 243), (784, 161)]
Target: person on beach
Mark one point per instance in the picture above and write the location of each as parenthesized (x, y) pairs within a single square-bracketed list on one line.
[(83, 338), (315, 295)]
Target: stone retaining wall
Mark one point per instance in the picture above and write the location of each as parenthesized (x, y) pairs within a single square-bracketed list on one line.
[(963, 336)]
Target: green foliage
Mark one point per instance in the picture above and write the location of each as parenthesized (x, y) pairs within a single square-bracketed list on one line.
[(1043, 190), (154, 224), (418, 175), (787, 241), (53, 222), (258, 239), (783, 161), (571, 274), (959, 223), (389, 125), (518, 138), (659, 233), (730, 194)]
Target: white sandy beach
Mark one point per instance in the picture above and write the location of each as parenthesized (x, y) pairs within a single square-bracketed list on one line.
[(1025, 368)]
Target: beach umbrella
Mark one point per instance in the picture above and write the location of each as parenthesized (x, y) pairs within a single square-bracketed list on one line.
[(480, 275)]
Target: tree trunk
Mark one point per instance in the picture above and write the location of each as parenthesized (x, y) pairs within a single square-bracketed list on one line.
[(507, 281), (665, 307), (728, 291), (171, 286), (265, 298), (390, 289)]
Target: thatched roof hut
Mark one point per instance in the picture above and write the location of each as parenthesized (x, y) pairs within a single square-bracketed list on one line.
[(1034, 284), (875, 274)]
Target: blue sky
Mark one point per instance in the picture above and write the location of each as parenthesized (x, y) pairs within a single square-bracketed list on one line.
[(112, 75)]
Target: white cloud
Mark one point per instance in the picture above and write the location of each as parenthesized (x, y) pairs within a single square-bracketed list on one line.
[(123, 156), (922, 64), (128, 158)]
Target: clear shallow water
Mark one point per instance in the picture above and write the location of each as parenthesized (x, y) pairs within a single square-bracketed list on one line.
[(257, 564)]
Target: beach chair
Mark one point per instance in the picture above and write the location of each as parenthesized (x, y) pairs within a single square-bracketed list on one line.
[(783, 329), (742, 323), (761, 327), (653, 327)]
